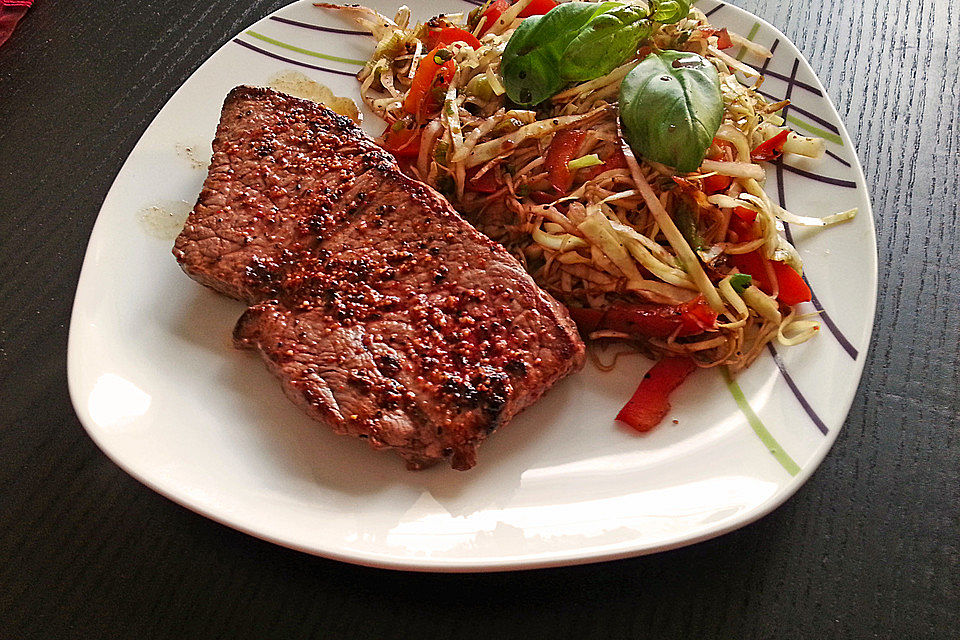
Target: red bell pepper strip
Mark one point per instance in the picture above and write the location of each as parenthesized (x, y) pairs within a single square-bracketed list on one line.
[(793, 289), (723, 36), (615, 161), (401, 141), (649, 320), (754, 265), (745, 214), (564, 148), (449, 35), (697, 314), (489, 182), (537, 8), (725, 150), (770, 149), (492, 14), (715, 184), (431, 74), (741, 225), (651, 401), (542, 197)]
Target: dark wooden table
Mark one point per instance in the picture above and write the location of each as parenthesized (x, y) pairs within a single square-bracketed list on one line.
[(867, 548)]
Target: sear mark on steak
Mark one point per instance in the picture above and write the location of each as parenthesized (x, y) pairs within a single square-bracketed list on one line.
[(382, 312)]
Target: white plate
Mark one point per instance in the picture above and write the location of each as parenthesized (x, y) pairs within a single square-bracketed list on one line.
[(157, 385)]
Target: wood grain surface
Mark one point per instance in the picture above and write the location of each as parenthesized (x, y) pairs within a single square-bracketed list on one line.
[(868, 548)]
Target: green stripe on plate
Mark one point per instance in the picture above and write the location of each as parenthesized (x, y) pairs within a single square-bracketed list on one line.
[(817, 131), (809, 128), (765, 437), (750, 36), (315, 54)]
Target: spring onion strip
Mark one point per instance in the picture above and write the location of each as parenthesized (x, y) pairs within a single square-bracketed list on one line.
[(596, 228), (749, 45), (491, 149), (415, 61), (762, 304), (690, 261), (472, 138), (507, 17), (572, 257), (614, 77), (800, 331), (583, 162), (808, 221), (726, 202), (731, 134), (733, 62), (730, 295), (557, 242), (734, 169)]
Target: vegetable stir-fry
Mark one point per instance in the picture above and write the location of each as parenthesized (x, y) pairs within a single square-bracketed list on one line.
[(615, 149)]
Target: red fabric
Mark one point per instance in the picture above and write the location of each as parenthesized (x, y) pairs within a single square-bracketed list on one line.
[(10, 13)]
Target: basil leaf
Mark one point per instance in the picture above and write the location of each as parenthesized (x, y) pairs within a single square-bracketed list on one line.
[(671, 108), (575, 41), (605, 42), (530, 73), (687, 223), (670, 11)]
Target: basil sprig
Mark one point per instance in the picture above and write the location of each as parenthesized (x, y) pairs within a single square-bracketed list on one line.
[(576, 42), (671, 108)]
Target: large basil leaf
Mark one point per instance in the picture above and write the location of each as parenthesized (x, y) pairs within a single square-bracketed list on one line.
[(671, 108), (670, 11), (576, 42), (605, 42), (541, 56), (530, 73)]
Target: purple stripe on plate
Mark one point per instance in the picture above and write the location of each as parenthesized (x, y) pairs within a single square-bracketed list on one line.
[(827, 320), (317, 27), (810, 116), (834, 329), (779, 76), (837, 158), (773, 52), (839, 182), (289, 61), (715, 9), (780, 189), (796, 391)]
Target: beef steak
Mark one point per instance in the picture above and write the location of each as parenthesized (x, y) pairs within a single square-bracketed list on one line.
[(382, 312)]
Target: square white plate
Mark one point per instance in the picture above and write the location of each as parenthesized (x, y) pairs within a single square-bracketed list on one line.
[(157, 385)]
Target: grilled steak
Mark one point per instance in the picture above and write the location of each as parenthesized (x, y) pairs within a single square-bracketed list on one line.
[(383, 313)]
